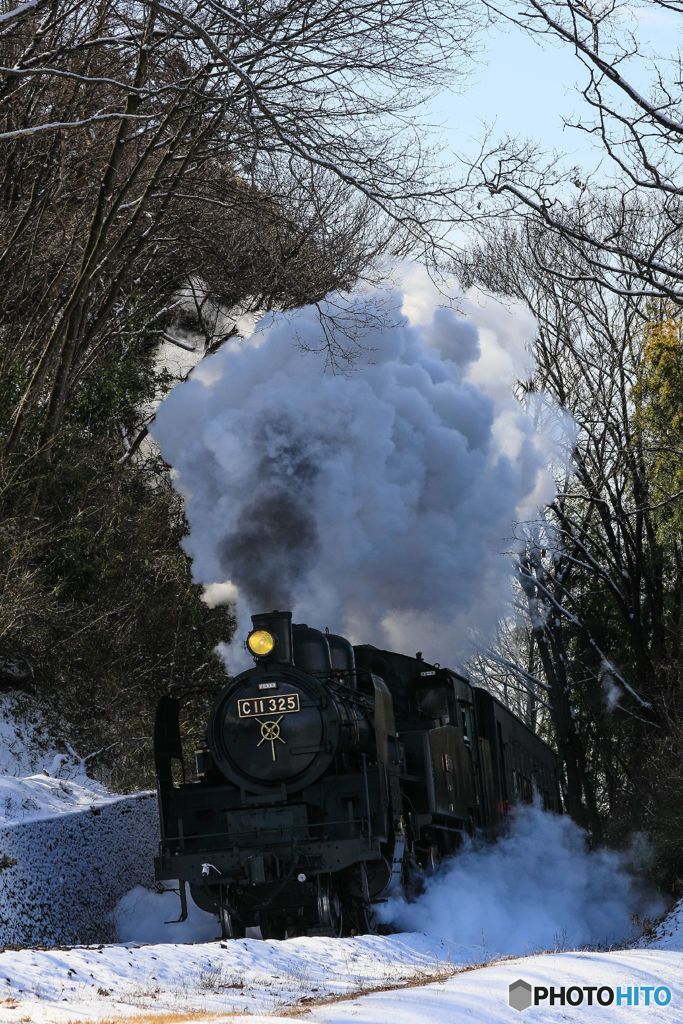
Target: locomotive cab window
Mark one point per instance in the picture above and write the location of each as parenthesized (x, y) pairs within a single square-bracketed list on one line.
[(466, 720)]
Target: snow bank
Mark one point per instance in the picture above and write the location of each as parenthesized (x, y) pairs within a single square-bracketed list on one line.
[(317, 975), (39, 797), (539, 887), (243, 976), (37, 778)]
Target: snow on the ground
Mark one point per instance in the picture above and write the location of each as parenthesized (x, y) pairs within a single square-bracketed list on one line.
[(257, 978), (321, 977), (37, 797), (37, 779), (481, 996), (246, 975)]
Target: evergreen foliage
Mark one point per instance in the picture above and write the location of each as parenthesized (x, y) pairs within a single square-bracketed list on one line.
[(659, 396)]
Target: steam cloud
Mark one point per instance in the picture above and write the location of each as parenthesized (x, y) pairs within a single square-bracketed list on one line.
[(538, 887), (380, 502)]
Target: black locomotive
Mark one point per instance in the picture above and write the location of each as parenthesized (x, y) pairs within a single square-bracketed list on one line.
[(331, 775)]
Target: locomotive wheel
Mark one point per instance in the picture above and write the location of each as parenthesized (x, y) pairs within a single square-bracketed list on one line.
[(273, 926), (330, 910), (358, 918), (231, 925)]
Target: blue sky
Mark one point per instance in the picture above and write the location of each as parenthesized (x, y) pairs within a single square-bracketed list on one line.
[(524, 89), (518, 87)]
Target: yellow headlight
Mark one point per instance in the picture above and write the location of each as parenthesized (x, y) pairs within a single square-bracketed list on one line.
[(260, 642)]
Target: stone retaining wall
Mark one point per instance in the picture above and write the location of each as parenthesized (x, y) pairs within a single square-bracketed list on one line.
[(60, 878)]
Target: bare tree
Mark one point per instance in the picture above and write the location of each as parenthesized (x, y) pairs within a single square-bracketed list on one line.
[(636, 249), (130, 134), (602, 587)]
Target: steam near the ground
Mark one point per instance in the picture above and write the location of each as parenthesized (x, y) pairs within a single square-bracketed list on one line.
[(539, 887), (145, 916), (379, 502)]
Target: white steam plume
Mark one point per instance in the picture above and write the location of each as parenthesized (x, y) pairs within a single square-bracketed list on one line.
[(538, 887), (380, 502)]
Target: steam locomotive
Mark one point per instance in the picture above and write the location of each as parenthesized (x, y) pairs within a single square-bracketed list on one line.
[(330, 777)]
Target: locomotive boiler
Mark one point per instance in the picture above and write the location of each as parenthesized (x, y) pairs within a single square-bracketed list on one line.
[(331, 776)]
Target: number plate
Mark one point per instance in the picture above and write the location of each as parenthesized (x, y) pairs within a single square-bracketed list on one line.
[(283, 704)]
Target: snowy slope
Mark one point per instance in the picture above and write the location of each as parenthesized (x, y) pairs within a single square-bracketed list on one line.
[(68, 849), (259, 978), (26, 746), (668, 934), (37, 797), (481, 996), (37, 778), (240, 976)]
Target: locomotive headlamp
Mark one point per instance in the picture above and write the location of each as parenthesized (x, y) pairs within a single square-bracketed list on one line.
[(260, 642)]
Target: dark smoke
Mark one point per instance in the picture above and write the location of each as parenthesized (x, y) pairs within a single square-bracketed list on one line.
[(272, 548), (275, 540)]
